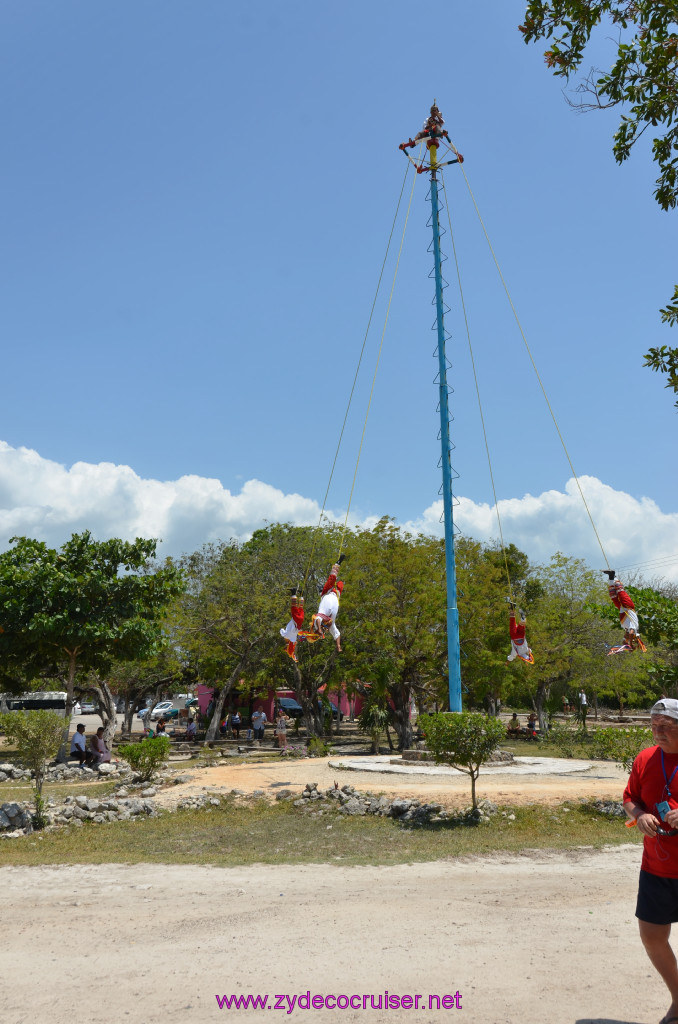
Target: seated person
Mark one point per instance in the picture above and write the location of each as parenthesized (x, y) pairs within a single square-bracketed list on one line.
[(78, 745), (191, 729), (99, 751), (513, 727), (160, 728)]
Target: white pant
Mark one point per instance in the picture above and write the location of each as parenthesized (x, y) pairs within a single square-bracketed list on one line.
[(290, 632), (630, 620), (520, 650)]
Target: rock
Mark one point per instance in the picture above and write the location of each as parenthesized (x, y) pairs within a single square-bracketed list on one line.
[(122, 791), (3, 776), (6, 768), (353, 807), (93, 805), (81, 801), (107, 768), (258, 792), (4, 820), (283, 794), (400, 807), (79, 813), (299, 803), (151, 791)]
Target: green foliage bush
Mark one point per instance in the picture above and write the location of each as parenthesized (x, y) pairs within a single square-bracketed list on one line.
[(38, 736), (565, 739), (462, 740), (148, 757), (620, 745), (318, 748)]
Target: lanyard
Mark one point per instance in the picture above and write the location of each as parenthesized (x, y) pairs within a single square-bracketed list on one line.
[(667, 780)]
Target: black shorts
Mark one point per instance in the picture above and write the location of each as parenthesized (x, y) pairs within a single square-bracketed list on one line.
[(657, 899)]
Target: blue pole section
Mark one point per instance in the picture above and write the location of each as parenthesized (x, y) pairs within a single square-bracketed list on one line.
[(454, 666)]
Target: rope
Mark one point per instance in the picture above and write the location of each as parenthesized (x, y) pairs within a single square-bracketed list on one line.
[(355, 379), (475, 378), (374, 377), (534, 366)]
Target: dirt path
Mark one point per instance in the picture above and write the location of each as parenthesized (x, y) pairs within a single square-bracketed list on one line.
[(523, 940), (603, 780)]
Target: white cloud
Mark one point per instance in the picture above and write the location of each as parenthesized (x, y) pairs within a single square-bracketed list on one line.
[(46, 500), (43, 499), (633, 532)]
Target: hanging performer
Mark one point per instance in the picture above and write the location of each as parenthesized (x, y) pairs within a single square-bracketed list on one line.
[(628, 616), (292, 630), (519, 648), (324, 619)]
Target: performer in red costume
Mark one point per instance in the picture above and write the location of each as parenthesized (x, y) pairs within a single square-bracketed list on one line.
[(293, 628), (329, 606), (627, 615), (519, 648)]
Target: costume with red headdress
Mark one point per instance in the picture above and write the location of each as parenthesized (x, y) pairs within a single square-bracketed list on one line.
[(324, 619), (628, 615)]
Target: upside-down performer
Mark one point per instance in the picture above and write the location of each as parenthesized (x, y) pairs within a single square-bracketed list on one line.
[(628, 616), (293, 628), (519, 648), (325, 617)]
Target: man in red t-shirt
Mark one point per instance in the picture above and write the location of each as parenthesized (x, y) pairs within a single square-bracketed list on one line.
[(649, 800)]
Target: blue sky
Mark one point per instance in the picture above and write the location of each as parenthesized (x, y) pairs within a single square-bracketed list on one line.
[(196, 204)]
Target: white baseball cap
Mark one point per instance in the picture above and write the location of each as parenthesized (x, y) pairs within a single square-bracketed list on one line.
[(667, 706)]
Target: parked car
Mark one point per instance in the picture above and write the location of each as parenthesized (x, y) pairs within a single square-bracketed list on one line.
[(192, 703), (172, 713), (160, 710), (335, 710), (291, 707), (88, 707)]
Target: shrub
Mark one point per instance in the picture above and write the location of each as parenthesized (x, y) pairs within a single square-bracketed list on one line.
[(38, 736), (462, 740), (148, 757), (620, 745), (566, 739), (372, 721), (318, 748)]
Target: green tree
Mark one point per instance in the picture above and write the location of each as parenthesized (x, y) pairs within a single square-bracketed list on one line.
[(37, 735), (565, 633), (643, 81), (394, 608), (81, 608), (463, 740)]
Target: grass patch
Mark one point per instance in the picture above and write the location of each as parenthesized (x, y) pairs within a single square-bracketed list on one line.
[(235, 834), (19, 791)]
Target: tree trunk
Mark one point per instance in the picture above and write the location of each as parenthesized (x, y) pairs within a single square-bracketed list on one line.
[(540, 697), (213, 727), (107, 712), (474, 801), (62, 756), (128, 717)]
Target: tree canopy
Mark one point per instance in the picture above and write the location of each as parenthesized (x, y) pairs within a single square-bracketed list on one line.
[(642, 80), (82, 607)]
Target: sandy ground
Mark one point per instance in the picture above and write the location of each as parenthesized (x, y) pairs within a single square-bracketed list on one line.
[(603, 780), (522, 940)]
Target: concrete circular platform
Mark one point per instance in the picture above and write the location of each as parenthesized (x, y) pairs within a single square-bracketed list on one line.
[(520, 766)]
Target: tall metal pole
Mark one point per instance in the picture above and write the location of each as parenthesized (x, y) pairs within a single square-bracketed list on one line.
[(453, 659), (432, 132)]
